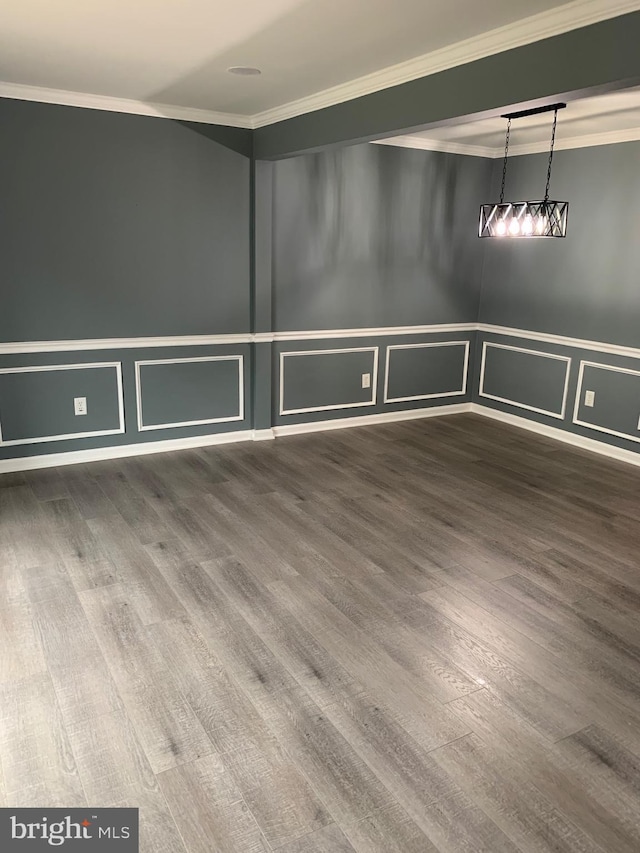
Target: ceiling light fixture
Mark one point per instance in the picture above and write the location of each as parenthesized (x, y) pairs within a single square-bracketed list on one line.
[(526, 219), (244, 70)]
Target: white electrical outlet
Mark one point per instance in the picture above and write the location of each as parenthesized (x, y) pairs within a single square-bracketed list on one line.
[(79, 405), (589, 398), (366, 380)]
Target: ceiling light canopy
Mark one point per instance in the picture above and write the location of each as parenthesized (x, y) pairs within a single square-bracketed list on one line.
[(526, 219)]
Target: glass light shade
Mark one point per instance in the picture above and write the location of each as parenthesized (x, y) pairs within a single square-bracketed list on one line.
[(525, 220)]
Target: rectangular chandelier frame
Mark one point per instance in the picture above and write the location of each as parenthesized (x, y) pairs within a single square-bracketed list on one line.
[(524, 219)]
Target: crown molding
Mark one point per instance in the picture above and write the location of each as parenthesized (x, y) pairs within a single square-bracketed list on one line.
[(588, 140), (553, 22), (449, 147), (21, 92), (570, 16)]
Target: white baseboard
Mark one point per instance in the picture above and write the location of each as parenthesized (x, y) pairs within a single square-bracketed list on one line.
[(262, 434), (581, 441), (369, 420), (97, 454), (74, 457)]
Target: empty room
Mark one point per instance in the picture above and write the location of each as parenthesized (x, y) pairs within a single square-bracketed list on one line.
[(320, 426)]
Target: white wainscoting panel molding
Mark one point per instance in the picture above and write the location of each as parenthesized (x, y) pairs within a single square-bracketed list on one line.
[(576, 407), (142, 427), (566, 359), (456, 393), (116, 365), (316, 352)]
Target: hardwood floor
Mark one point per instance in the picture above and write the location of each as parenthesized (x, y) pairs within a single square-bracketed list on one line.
[(394, 639)]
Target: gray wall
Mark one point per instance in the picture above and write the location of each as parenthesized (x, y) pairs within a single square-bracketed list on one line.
[(124, 226), (373, 235), (587, 285), (116, 225)]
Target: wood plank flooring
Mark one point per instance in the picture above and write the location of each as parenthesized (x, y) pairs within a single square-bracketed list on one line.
[(413, 638)]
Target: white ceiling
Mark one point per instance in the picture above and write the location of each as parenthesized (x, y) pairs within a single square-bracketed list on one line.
[(116, 54), (614, 117)]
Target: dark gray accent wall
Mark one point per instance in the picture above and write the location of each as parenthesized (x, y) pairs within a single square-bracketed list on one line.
[(588, 284), (374, 235), (116, 225), (601, 55)]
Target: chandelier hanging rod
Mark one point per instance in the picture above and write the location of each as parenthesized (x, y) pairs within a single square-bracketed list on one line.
[(534, 111)]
